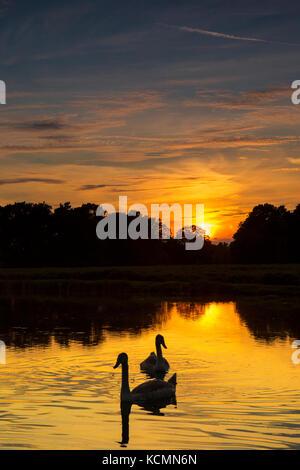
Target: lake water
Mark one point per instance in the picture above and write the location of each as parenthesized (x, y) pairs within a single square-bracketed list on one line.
[(237, 385)]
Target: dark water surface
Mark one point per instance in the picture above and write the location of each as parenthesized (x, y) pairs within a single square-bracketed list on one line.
[(237, 385)]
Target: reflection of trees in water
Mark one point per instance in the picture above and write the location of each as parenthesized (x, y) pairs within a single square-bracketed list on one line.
[(134, 316), (191, 310), (31, 321), (270, 319), (27, 322)]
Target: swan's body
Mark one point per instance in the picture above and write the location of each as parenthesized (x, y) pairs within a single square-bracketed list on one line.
[(156, 363), (149, 391)]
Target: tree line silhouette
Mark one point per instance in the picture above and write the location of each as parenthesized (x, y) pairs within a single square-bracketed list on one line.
[(34, 235), (269, 234)]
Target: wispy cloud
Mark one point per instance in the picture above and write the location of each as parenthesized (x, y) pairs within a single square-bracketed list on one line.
[(242, 100), (286, 169), (42, 125), (87, 187), (227, 36), (30, 180)]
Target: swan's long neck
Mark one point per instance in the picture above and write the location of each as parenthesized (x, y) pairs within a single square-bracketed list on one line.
[(125, 411), (158, 350), (125, 390)]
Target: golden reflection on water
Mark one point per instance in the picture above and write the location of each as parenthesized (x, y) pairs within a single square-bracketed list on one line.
[(234, 391)]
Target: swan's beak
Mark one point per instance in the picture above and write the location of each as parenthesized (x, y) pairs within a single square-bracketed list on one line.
[(164, 344), (117, 363)]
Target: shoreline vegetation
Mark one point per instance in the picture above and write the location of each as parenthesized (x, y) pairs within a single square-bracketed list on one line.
[(35, 235), (178, 281)]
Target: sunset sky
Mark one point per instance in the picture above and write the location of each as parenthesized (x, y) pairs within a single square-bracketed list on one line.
[(162, 101)]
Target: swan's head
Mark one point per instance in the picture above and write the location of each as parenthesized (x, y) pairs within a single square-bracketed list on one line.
[(122, 359), (160, 340)]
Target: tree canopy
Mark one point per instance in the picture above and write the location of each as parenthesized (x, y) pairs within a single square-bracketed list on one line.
[(33, 234)]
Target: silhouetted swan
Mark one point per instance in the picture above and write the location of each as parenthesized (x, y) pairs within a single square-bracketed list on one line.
[(156, 363), (152, 390)]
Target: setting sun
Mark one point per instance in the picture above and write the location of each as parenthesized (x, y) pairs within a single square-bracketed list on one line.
[(208, 228)]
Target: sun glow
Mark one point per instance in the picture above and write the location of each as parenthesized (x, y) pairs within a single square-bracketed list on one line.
[(207, 227)]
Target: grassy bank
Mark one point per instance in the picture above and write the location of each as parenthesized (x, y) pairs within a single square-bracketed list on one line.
[(197, 281)]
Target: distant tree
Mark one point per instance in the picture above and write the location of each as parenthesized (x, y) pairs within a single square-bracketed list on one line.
[(24, 233), (294, 236), (263, 237)]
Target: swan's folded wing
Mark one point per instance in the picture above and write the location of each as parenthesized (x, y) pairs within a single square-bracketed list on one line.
[(150, 386), (150, 361)]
